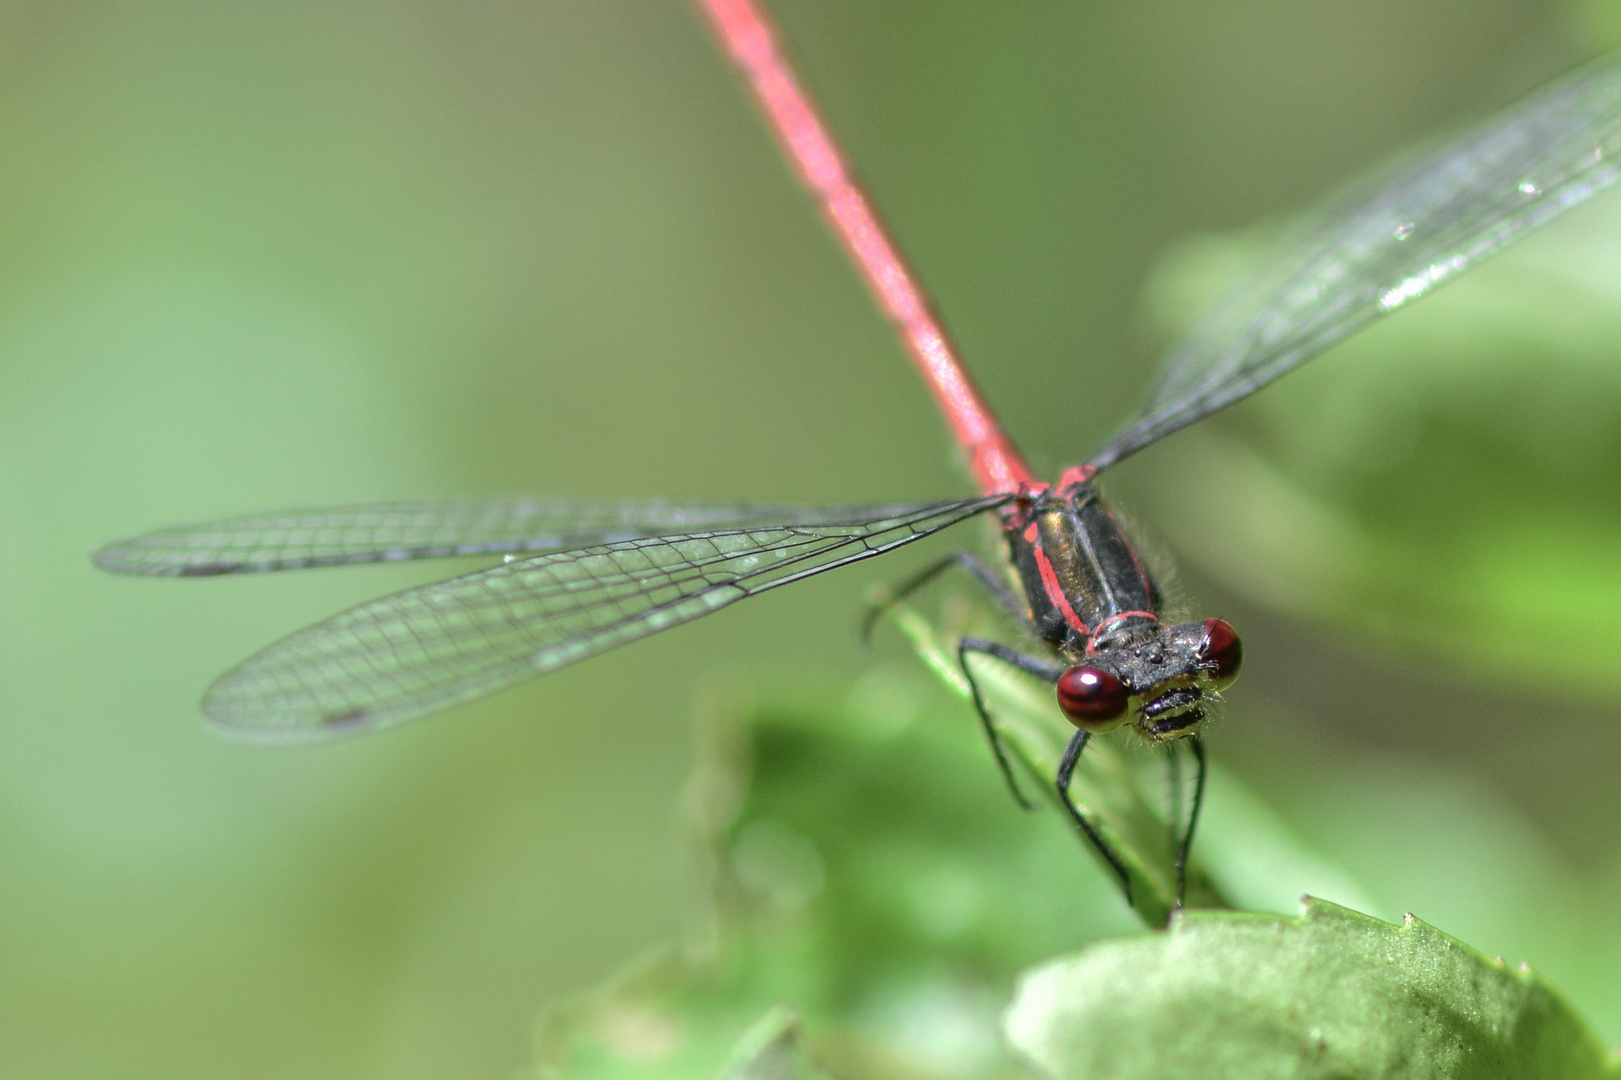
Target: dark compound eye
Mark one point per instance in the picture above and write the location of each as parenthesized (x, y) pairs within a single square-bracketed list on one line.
[(1091, 697), (1221, 654)]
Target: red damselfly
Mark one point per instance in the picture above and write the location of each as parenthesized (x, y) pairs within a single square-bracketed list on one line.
[(583, 577)]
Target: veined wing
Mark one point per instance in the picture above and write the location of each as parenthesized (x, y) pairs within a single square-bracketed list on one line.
[(388, 532), (428, 648), (1423, 222)]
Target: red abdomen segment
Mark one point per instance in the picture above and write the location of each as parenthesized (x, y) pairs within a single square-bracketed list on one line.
[(751, 41), (1079, 570)]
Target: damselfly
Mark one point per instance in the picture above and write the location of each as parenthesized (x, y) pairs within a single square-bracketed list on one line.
[(579, 578)]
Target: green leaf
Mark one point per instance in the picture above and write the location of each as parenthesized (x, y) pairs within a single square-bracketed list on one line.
[(1328, 994)]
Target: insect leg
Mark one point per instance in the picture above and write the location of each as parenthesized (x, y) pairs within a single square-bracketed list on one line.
[(1196, 746), (1175, 794), (1008, 600), (1066, 770), (1030, 664)]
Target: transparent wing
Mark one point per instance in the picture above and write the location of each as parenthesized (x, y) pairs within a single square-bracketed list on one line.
[(1421, 223), (385, 532), (428, 648)]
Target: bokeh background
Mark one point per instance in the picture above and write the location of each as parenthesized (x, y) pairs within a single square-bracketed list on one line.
[(262, 256)]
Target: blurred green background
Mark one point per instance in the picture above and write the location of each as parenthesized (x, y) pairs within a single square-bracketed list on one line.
[(296, 254)]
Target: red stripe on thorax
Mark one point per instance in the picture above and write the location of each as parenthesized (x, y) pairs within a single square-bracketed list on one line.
[(1049, 581)]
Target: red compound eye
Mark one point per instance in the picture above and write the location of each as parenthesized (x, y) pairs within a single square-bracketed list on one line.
[(1222, 654), (1091, 698)]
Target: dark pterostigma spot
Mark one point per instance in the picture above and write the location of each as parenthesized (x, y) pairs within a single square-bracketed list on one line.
[(212, 569), (338, 721)]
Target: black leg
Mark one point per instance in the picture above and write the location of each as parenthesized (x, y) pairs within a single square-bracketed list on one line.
[(1005, 597), (1173, 770), (1045, 670), (1030, 664), (1196, 746), (1173, 820), (1066, 769)]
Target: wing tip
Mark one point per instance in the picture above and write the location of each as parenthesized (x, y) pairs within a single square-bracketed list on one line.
[(134, 559), (115, 559)]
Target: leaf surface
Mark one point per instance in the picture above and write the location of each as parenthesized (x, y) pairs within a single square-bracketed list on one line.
[(1327, 994)]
